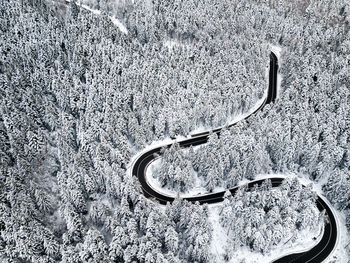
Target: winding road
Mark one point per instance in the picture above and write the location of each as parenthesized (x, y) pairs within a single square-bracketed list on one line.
[(315, 255)]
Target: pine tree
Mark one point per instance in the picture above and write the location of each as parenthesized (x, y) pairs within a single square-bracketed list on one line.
[(171, 240)]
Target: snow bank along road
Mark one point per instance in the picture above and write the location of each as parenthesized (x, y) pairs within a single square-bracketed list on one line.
[(316, 255)]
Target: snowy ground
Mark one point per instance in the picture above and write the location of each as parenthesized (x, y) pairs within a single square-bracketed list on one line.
[(172, 43), (339, 254), (220, 238), (306, 240), (114, 20)]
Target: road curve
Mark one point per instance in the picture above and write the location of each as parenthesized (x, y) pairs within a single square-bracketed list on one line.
[(315, 255)]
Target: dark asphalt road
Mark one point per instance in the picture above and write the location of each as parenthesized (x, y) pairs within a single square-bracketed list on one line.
[(316, 255)]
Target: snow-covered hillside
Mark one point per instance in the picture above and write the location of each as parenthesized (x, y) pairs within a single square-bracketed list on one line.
[(85, 86)]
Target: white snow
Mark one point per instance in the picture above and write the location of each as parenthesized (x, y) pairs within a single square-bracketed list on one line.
[(153, 145), (240, 116), (305, 241), (219, 238), (219, 235), (170, 43), (94, 11), (114, 20), (173, 42), (198, 189), (339, 253), (234, 118), (231, 120)]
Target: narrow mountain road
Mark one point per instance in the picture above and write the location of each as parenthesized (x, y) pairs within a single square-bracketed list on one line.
[(316, 255)]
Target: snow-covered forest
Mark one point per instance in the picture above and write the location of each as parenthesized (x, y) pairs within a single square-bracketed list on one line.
[(222, 162), (262, 217), (79, 98)]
